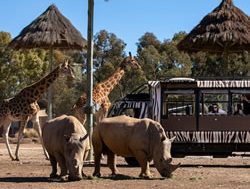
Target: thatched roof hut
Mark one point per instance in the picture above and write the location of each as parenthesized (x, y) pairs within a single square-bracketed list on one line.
[(50, 30), (226, 29)]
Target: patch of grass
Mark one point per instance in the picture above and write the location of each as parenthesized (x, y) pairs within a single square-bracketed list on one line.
[(195, 178), (90, 177)]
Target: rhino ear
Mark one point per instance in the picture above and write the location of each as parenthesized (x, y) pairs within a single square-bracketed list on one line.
[(84, 137), (161, 131), (163, 138), (67, 138), (172, 139)]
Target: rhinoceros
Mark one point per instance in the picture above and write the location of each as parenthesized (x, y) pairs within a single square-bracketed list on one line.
[(144, 139), (67, 144)]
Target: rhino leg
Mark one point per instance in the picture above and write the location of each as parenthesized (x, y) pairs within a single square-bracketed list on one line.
[(53, 163), (97, 165), (112, 163), (142, 160), (86, 153), (62, 164), (98, 150)]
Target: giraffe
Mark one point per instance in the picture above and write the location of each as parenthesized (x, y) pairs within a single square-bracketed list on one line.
[(24, 107), (101, 92)]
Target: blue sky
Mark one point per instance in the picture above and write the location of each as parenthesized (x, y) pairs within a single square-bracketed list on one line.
[(128, 19)]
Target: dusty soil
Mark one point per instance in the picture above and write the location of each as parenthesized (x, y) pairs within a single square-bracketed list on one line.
[(195, 172)]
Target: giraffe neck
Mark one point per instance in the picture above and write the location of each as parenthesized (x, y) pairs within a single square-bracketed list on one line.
[(102, 88), (36, 90), (113, 80)]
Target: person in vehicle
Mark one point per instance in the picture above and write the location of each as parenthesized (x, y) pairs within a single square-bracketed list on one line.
[(246, 104), (239, 110), (210, 109), (214, 109)]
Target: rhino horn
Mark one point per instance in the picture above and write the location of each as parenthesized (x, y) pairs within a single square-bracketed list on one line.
[(84, 137), (174, 167)]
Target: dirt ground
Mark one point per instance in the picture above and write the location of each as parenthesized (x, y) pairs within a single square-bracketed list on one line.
[(195, 172)]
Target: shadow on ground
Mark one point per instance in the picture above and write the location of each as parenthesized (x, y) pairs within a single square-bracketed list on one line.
[(126, 177), (24, 179)]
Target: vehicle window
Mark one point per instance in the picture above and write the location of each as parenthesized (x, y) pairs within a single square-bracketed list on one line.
[(132, 112), (178, 104), (241, 104), (216, 103)]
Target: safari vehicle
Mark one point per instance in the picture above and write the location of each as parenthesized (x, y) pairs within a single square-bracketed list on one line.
[(181, 105)]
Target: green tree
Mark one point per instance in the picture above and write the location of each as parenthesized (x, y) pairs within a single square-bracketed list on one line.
[(176, 63), (107, 47), (109, 52), (232, 65), (65, 91), (18, 68), (148, 39), (151, 62), (162, 59)]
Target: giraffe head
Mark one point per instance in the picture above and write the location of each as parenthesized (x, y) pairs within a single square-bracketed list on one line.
[(79, 103), (66, 69), (77, 108), (130, 61)]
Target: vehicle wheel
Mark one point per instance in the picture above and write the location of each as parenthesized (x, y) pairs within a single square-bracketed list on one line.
[(131, 161)]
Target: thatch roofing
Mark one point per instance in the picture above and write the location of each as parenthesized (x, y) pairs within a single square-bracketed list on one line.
[(225, 29), (50, 29)]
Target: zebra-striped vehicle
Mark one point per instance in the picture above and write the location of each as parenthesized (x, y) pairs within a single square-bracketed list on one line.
[(182, 106)]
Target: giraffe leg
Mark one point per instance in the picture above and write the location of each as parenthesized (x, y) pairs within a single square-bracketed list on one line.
[(37, 127), (20, 136), (103, 112), (6, 129), (106, 108)]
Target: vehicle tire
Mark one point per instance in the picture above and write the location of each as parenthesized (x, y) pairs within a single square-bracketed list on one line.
[(131, 161)]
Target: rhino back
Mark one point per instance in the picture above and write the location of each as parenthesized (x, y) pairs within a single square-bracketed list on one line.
[(55, 130), (123, 134)]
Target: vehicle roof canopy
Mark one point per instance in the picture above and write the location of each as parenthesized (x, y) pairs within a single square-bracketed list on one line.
[(203, 84)]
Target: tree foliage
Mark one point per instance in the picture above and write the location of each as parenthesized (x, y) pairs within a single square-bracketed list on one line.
[(108, 53), (228, 65), (159, 60), (18, 68)]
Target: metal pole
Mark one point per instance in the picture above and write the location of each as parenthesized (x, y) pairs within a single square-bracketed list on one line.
[(89, 106), (50, 88)]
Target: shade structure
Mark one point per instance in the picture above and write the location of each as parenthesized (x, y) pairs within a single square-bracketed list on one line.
[(50, 29), (225, 30)]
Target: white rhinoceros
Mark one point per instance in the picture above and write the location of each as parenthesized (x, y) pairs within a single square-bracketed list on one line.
[(125, 136), (67, 144)]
